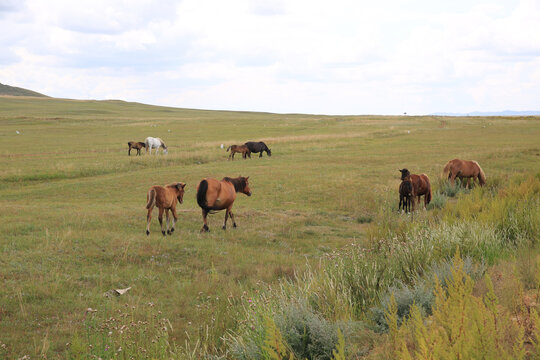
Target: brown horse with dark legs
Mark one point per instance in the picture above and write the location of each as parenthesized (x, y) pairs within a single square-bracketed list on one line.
[(243, 149), (137, 145), (464, 169), (164, 197), (421, 186), (213, 195)]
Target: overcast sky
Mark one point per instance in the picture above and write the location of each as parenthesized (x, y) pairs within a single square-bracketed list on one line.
[(323, 57)]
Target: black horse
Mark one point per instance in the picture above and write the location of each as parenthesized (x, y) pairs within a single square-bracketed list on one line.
[(258, 147), (406, 195)]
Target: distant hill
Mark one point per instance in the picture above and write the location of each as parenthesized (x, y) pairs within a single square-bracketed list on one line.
[(491, 113), (17, 91)]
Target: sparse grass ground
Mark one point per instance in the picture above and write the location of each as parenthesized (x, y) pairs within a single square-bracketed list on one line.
[(73, 217)]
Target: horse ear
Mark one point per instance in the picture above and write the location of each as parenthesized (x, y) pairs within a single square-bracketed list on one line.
[(180, 185), (247, 177)]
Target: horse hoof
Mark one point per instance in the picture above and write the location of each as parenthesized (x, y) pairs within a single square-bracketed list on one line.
[(147, 232), (234, 225), (224, 227), (163, 232), (169, 232), (172, 230)]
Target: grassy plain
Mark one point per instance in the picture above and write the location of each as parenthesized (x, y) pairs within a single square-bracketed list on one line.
[(73, 217)]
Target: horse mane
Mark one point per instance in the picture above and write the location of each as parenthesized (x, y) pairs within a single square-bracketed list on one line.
[(239, 183), (481, 175)]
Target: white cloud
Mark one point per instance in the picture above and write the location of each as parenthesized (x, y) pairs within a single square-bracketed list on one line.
[(300, 56)]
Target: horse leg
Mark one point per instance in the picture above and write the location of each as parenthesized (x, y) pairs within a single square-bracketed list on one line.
[(148, 218), (232, 153), (129, 151), (160, 217), (175, 218), (225, 222), (205, 225), (260, 154), (168, 220), (232, 217)]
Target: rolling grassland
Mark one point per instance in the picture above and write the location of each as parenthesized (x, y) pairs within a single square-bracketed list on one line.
[(73, 217)]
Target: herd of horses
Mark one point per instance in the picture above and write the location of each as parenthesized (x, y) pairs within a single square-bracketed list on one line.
[(415, 186), (214, 195)]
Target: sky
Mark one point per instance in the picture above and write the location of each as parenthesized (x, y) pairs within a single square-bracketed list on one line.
[(295, 56)]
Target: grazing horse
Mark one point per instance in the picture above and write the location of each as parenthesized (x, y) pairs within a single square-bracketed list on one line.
[(151, 142), (215, 195), (421, 186), (137, 146), (243, 149), (258, 147), (464, 169), (406, 195), (164, 197)]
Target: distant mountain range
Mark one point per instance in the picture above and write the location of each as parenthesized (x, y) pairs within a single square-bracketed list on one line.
[(490, 113), (17, 91)]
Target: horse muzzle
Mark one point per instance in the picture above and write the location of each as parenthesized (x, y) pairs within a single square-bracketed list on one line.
[(248, 194), (180, 200)]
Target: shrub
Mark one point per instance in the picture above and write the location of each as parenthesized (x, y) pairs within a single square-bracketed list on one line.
[(463, 326), (438, 201), (294, 329)]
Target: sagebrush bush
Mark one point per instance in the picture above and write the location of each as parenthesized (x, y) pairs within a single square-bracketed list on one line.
[(420, 293), (295, 329), (438, 201)]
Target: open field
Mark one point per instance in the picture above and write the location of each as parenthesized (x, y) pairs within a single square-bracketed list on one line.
[(73, 217)]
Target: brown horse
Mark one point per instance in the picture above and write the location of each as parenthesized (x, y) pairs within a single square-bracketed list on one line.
[(137, 145), (215, 195), (239, 149), (164, 197), (421, 186), (464, 169)]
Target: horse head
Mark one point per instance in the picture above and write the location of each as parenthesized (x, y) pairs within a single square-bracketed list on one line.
[(404, 173), (180, 191), (246, 190)]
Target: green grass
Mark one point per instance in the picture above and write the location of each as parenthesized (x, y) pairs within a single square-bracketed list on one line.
[(73, 217)]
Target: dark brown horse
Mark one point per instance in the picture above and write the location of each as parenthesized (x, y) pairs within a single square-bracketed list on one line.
[(213, 195), (137, 145), (406, 195), (421, 186), (243, 149), (164, 197), (258, 147), (464, 169)]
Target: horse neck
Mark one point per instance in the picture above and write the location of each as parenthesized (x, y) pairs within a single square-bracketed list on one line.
[(237, 183)]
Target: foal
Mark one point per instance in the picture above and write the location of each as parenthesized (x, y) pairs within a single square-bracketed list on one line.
[(137, 145), (239, 149), (406, 195), (164, 197)]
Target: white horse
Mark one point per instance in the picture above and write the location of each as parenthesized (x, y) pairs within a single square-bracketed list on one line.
[(151, 142)]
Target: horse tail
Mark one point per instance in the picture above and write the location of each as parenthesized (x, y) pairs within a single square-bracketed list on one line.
[(201, 196), (151, 198), (446, 170), (429, 195), (228, 148), (481, 175)]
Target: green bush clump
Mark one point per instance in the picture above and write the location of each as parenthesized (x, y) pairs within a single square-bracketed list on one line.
[(300, 331)]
